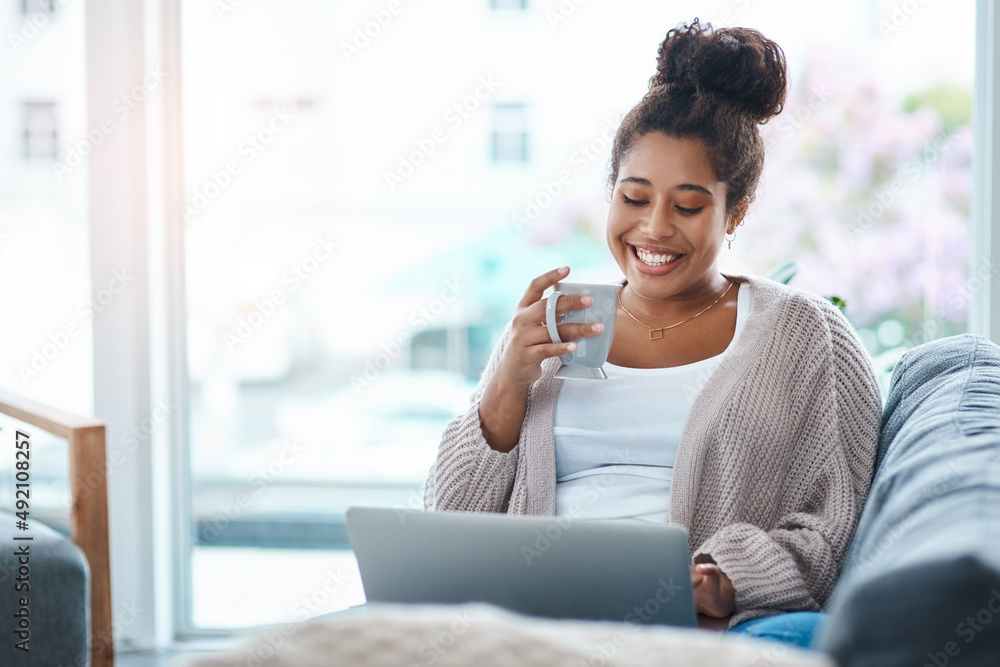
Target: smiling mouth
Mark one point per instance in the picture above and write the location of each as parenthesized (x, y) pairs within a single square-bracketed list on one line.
[(654, 259)]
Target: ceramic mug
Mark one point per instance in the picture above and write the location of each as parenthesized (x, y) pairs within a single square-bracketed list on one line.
[(585, 362)]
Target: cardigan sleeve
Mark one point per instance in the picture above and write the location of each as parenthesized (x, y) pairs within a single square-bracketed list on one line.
[(794, 563), (469, 475)]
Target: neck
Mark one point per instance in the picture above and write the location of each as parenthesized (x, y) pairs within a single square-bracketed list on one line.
[(660, 310)]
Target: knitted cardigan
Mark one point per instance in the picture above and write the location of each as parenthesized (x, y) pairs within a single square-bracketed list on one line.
[(772, 469)]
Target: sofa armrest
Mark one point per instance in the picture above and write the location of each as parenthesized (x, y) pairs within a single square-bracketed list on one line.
[(85, 440), (922, 580)]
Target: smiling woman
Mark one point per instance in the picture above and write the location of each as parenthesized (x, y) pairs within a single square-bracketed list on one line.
[(741, 425)]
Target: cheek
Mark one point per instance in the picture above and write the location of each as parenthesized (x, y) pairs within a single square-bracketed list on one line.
[(717, 230), (612, 231), (620, 220)]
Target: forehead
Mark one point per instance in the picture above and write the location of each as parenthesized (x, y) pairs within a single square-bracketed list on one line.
[(667, 161)]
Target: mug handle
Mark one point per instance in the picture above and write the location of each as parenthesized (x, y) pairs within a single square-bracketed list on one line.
[(550, 316)]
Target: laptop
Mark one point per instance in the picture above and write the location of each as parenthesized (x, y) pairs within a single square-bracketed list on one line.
[(539, 566)]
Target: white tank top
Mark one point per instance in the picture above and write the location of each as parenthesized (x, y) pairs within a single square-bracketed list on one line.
[(616, 439)]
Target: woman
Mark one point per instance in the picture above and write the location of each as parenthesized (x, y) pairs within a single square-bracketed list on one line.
[(758, 395)]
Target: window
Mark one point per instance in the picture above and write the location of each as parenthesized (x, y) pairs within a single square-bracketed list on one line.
[(29, 7), (44, 216), (521, 5), (509, 137), (350, 261), (40, 133), (48, 345)]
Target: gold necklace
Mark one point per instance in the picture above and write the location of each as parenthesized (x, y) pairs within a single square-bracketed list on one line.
[(662, 329)]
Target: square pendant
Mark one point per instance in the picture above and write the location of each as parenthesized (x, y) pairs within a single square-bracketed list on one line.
[(658, 332)]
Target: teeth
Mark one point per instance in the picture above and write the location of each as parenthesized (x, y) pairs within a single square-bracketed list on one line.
[(654, 260)]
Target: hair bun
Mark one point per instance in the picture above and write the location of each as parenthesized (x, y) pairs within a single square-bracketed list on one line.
[(736, 63)]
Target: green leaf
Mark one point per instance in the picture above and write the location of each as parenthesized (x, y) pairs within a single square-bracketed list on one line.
[(838, 302)]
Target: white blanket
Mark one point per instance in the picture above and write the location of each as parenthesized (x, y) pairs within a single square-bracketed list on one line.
[(479, 635)]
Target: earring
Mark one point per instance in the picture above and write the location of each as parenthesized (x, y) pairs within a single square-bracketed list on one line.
[(730, 240)]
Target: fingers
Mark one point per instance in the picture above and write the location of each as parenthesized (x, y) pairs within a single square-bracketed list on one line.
[(530, 321), (546, 350), (570, 302), (703, 573), (535, 313), (578, 331), (713, 592), (538, 334), (542, 283), (706, 592)]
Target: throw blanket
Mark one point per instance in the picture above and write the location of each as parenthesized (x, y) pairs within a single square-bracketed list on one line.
[(478, 635)]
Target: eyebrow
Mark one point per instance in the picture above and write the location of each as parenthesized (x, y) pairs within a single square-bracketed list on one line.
[(684, 187)]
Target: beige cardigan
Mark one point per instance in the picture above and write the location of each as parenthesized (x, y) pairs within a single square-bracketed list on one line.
[(772, 468)]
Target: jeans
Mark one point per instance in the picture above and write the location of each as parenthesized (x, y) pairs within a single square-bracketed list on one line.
[(798, 628)]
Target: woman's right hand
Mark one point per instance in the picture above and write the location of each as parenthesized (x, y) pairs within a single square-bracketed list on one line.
[(530, 344), (505, 398)]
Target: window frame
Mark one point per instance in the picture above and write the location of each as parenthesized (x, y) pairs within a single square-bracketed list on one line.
[(984, 220)]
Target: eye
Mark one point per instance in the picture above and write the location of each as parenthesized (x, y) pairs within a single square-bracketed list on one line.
[(632, 202), (689, 211)]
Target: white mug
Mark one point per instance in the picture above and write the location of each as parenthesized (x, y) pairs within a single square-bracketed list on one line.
[(585, 362)]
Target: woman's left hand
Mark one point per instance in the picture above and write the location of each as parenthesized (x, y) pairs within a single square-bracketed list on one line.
[(713, 591)]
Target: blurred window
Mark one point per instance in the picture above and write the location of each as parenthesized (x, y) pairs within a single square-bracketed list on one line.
[(352, 261), (509, 4), (510, 133), (41, 134), (29, 7)]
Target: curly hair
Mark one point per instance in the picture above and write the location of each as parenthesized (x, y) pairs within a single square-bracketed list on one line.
[(716, 86)]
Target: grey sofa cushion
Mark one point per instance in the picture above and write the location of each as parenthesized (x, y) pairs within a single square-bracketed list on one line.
[(58, 597), (921, 585)]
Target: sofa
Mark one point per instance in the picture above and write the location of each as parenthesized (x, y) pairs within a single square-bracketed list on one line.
[(921, 585), (55, 615)]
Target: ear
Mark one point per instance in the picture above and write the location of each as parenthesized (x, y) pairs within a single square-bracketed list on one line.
[(737, 215)]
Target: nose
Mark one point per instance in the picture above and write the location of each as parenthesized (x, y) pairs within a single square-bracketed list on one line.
[(659, 223)]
